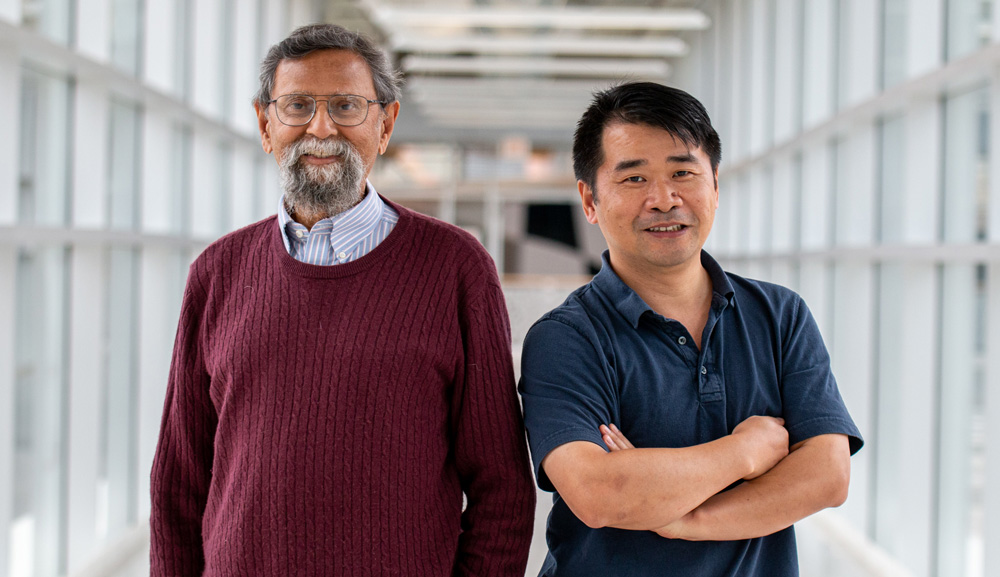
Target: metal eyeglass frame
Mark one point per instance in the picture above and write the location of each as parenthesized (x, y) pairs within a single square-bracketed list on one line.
[(328, 99)]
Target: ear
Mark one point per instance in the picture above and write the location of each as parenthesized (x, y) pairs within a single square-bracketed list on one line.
[(263, 123), (587, 199), (716, 178), (388, 122)]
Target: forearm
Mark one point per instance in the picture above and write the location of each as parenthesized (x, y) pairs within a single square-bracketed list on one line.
[(812, 477), (644, 489)]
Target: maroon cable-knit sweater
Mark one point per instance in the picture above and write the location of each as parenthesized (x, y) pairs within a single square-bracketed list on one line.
[(327, 420)]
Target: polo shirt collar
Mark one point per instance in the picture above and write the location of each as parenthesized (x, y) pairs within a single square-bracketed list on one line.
[(631, 305)]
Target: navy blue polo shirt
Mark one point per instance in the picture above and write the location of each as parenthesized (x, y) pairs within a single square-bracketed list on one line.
[(603, 356)]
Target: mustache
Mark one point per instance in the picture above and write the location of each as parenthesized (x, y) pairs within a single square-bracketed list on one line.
[(317, 147)]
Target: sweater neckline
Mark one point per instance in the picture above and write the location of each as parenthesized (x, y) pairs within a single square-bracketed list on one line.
[(298, 268)]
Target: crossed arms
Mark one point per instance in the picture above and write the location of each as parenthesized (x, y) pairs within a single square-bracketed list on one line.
[(679, 492)]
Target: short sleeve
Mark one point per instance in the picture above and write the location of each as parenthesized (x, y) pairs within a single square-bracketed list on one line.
[(567, 389), (811, 401)]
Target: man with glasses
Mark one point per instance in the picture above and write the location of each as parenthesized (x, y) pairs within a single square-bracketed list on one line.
[(685, 417), (341, 380)]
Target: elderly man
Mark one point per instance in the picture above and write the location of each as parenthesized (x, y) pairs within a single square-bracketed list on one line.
[(720, 381), (342, 376)]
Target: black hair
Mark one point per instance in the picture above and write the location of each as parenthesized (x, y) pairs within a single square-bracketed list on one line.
[(648, 103)]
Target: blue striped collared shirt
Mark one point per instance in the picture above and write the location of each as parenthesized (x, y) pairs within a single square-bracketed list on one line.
[(340, 238)]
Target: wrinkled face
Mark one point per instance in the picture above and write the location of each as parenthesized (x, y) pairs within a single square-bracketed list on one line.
[(656, 199), (321, 73)]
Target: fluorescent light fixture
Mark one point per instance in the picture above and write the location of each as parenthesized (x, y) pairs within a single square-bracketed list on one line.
[(548, 45), (565, 18), (493, 87), (514, 66), (508, 123)]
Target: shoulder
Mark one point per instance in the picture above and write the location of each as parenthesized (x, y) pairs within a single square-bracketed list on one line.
[(761, 297), (240, 239), (452, 250), (581, 316), (234, 249), (441, 235)]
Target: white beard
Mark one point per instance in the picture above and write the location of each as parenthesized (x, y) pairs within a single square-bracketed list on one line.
[(328, 189)]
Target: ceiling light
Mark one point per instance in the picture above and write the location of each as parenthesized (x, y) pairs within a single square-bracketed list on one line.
[(615, 18), (603, 46), (512, 66)]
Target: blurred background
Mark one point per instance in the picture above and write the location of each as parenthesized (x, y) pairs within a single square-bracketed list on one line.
[(858, 168)]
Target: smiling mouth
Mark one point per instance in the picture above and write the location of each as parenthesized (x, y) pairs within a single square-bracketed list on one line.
[(318, 158), (674, 228)]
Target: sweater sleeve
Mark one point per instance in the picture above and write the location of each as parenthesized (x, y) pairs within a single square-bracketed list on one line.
[(489, 444), (182, 464)]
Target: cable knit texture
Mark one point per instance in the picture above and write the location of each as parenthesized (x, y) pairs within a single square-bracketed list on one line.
[(327, 420)]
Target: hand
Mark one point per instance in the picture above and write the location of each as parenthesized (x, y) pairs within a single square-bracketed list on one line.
[(766, 443), (673, 530), (614, 438)]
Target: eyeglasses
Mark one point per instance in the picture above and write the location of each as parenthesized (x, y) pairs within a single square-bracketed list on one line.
[(344, 109)]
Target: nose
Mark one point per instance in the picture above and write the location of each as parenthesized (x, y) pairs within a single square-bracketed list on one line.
[(663, 196), (322, 125)]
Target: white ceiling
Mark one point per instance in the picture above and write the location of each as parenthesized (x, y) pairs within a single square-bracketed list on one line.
[(479, 70)]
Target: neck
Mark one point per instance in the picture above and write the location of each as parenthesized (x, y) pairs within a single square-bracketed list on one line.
[(307, 218), (682, 292)]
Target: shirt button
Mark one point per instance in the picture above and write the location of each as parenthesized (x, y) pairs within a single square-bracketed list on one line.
[(682, 341), (341, 255), (704, 371), (300, 233)]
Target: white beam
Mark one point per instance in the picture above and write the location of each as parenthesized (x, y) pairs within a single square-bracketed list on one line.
[(494, 87), (615, 18), (525, 101), (575, 46), (473, 122), (602, 68)]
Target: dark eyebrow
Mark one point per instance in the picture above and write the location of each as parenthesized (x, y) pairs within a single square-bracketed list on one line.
[(627, 164), (682, 158)]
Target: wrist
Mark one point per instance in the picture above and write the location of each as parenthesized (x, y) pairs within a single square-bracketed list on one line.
[(744, 456)]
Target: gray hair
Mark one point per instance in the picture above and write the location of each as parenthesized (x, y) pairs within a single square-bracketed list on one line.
[(314, 37)]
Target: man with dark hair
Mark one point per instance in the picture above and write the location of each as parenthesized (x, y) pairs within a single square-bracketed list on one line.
[(342, 374), (723, 383)]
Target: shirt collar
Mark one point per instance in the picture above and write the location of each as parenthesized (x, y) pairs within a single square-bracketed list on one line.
[(349, 227), (631, 305)]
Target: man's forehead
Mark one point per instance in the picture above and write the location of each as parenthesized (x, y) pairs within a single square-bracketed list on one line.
[(333, 64), (619, 158)]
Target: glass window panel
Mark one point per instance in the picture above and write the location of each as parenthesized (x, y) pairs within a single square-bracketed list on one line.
[(966, 167), (961, 451), (843, 53), (227, 79), (44, 145), (126, 25), (888, 499), (225, 155), (894, 41), (117, 475), (819, 60), (183, 47), (36, 534), (51, 18), (180, 174), (969, 26), (123, 170), (891, 182)]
